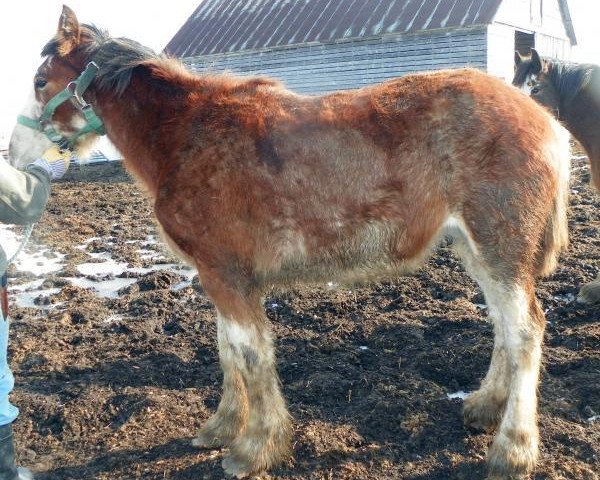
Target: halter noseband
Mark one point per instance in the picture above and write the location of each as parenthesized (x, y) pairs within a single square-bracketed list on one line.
[(74, 92)]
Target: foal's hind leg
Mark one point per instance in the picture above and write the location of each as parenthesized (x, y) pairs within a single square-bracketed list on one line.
[(508, 394), (515, 449), (483, 408)]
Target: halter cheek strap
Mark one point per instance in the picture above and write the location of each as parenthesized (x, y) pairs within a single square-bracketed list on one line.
[(74, 92)]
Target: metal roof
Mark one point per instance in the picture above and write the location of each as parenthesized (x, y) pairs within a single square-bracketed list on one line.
[(566, 16), (219, 26)]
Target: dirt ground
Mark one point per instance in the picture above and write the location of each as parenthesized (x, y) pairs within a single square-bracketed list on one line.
[(115, 388)]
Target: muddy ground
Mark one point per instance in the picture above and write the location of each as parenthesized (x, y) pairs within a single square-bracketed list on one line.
[(115, 388)]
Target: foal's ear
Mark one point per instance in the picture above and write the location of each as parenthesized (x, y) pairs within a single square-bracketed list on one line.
[(518, 58), (68, 31), (537, 64)]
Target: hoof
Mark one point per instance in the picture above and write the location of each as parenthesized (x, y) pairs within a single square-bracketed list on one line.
[(481, 413), (237, 468), (512, 458), (203, 441), (251, 454), (590, 293), (215, 435)]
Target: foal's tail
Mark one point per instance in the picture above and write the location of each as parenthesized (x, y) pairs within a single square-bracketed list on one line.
[(556, 236)]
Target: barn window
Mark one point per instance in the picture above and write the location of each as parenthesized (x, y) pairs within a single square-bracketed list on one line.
[(524, 42)]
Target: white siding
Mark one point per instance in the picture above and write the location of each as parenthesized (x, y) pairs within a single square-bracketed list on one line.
[(541, 16), (552, 46), (501, 51)]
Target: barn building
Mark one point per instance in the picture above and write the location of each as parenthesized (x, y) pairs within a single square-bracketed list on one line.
[(316, 46)]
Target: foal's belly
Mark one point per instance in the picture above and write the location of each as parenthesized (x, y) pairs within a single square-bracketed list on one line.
[(376, 250)]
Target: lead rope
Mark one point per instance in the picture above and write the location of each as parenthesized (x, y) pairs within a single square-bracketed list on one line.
[(26, 236), (4, 277)]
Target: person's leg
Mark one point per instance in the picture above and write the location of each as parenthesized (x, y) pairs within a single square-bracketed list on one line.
[(8, 413)]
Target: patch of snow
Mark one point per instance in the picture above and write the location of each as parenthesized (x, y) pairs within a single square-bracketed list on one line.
[(92, 272), (565, 297), (593, 419), (460, 394), (146, 254), (36, 259), (34, 285), (103, 288), (27, 299), (107, 267), (181, 286), (113, 318)]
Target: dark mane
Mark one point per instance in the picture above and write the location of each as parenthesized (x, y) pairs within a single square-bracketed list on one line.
[(116, 57), (569, 78)]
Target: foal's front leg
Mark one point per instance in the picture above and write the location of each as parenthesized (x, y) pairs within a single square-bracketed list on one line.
[(252, 418), (266, 439), (231, 417)]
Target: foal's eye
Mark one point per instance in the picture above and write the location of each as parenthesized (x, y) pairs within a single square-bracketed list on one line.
[(39, 83), (535, 90)]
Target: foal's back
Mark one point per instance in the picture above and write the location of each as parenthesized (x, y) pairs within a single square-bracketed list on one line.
[(359, 183)]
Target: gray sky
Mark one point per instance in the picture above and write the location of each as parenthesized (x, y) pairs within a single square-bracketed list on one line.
[(26, 25)]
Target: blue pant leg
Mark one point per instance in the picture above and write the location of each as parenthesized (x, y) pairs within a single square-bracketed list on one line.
[(8, 412)]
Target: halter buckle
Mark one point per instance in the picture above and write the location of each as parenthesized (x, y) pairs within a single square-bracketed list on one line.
[(75, 97)]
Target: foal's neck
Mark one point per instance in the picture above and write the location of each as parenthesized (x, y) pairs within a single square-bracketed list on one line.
[(136, 123)]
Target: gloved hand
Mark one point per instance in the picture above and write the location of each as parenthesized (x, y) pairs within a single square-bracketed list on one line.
[(54, 161)]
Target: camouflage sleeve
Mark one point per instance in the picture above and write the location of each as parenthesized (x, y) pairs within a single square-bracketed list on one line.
[(23, 195)]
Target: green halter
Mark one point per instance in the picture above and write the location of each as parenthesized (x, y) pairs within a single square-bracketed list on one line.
[(74, 92)]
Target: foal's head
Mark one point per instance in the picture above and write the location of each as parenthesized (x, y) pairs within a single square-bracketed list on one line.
[(80, 62), (533, 76), (41, 123)]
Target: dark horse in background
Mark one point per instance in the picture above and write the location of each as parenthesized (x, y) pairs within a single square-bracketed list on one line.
[(572, 92)]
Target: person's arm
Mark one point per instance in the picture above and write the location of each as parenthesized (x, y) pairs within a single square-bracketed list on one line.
[(23, 195)]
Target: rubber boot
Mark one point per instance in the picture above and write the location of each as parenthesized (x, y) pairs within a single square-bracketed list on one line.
[(8, 469)]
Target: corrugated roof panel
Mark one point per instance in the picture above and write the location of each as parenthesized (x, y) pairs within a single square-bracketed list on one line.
[(217, 28), (347, 21), (228, 32), (279, 18), (247, 25), (421, 17), (233, 25), (441, 15)]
